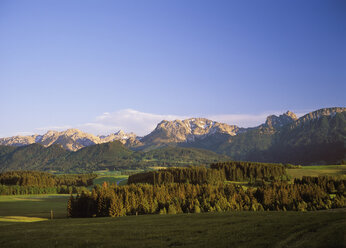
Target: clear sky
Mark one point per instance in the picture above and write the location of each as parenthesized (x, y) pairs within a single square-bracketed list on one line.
[(102, 65)]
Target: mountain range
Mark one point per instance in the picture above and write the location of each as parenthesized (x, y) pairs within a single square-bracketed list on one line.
[(167, 132), (71, 139), (317, 137)]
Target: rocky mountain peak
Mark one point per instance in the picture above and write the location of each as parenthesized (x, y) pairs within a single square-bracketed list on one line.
[(291, 114), (275, 122), (187, 130), (51, 132), (71, 139), (120, 132), (120, 135), (72, 131)]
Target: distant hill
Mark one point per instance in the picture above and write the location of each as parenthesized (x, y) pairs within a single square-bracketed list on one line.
[(112, 155), (317, 137), (30, 157)]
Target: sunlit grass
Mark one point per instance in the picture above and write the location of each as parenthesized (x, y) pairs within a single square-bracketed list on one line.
[(322, 167), (158, 167), (20, 219), (109, 179), (12, 198), (38, 206)]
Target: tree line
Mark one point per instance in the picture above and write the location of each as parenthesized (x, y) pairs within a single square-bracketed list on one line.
[(297, 196), (26, 190), (45, 179), (218, 172), (247, 171), (194, 175), (34, 182), (328, 183), (113, 200)]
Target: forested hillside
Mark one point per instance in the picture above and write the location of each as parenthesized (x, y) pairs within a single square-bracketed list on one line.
[(319, 139), (112, 155), (311, 139), (31, 157)]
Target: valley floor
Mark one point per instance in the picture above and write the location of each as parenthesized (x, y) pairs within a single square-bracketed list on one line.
[(25, 222)]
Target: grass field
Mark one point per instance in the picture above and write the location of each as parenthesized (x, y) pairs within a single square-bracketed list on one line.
[(38, 206), (110, 177), (235, 229), (231, 229), (318, 170)]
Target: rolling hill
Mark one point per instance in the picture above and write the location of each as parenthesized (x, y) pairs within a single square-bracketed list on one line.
[(112, 155)]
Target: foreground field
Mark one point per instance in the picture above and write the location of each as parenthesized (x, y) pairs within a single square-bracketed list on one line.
[(231, 229), (234, 229)]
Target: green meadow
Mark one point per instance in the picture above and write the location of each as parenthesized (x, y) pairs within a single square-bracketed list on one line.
[(38, 206), (120, 180), (318, 170), (33, 228)]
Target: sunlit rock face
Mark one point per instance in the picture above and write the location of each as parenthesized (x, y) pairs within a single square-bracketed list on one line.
[(276, 122), (71, 139), (188, 130)]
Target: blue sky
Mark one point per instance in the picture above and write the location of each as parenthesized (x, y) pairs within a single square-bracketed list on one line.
[(77, 63)]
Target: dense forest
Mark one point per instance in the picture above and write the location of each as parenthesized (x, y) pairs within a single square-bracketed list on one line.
[(34, 182), (327, 183), (193, 175), (244, 171), (113, 200), (199, 189), (218, 172)]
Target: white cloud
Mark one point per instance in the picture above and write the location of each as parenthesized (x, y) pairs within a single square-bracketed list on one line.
[(128, 120)]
